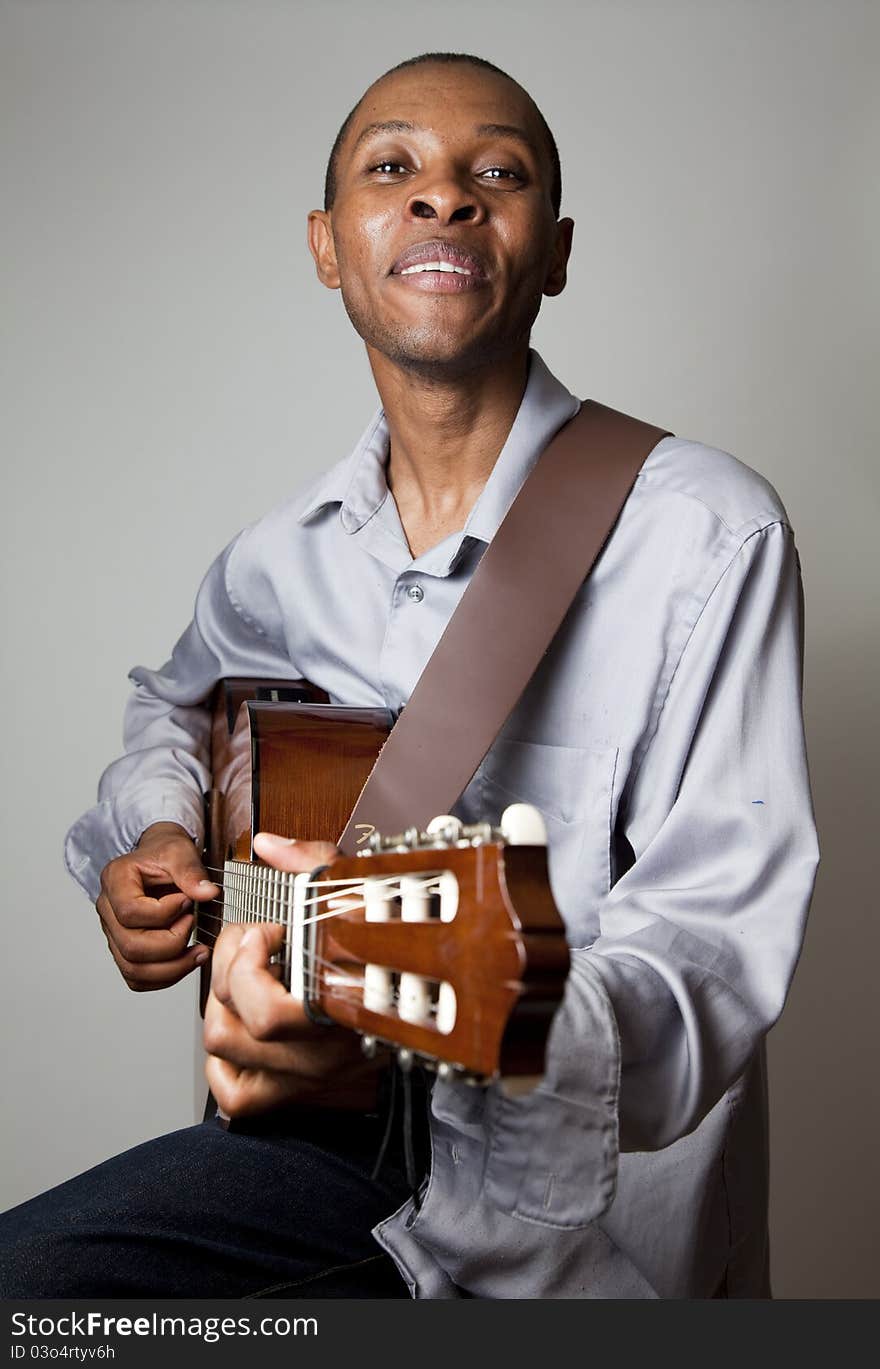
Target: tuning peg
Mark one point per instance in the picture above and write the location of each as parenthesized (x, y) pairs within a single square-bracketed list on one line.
[(445, 826), (523, 825)]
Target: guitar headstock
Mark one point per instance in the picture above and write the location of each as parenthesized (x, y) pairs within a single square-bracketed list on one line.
[(445, 944)]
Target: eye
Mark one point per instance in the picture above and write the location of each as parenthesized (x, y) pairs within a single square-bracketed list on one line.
[(387, 168), (497, 173)]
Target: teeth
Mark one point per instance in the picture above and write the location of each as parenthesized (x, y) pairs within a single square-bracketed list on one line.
[(435, 266)]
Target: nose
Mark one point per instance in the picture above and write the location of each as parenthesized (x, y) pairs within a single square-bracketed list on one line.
[(447, 201)]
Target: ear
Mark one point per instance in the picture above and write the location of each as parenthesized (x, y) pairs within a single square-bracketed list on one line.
[(323, 248), (557, 275)]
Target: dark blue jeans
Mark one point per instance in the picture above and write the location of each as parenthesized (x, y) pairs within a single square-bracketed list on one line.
[(280, 1207)]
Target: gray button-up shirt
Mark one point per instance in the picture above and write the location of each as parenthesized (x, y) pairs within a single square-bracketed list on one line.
[(662, 739)]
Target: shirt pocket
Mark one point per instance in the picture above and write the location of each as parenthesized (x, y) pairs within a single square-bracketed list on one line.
[(573, 787)]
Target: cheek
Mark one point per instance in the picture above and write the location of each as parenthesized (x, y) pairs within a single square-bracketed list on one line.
[(363, 246), (531, 253)]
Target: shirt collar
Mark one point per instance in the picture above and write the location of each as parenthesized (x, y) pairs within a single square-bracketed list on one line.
[(358, 483)]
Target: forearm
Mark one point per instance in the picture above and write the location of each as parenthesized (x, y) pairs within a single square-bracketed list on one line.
[(161, 782), (165, 769)]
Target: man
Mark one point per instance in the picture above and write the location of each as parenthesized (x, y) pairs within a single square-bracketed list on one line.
[(661, 737)]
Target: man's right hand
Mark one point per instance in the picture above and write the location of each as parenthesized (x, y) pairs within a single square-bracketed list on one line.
[(147, 932)]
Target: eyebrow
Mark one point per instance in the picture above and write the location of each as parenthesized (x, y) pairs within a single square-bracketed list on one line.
[(506, 131), (383, 126), (482, 131)]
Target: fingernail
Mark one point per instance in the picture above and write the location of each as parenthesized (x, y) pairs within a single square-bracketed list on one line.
[(186, 905), (249, 937), (276, 841), (201, 956), (207, 884)]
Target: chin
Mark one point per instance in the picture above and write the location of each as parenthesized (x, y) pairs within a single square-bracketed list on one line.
[(430, 346), (432, 352), (452, 357)]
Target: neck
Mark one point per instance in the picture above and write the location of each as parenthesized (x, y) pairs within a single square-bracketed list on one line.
[(445, 436)]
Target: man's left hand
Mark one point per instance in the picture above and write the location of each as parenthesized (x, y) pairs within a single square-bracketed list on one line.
[(263, 1051)]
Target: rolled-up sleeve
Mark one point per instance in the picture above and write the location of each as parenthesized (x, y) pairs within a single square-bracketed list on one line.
[(701, 934), (164, 771)]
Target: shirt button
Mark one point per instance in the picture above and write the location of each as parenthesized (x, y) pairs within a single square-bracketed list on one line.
[(415, 593)]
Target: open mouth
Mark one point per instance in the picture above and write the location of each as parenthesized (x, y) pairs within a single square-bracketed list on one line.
[(439, 265), (435, 266)]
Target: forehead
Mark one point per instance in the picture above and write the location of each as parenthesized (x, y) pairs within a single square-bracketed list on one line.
[(449, 100)]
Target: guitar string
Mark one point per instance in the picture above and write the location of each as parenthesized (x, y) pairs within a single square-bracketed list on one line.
[(208, 937), (244, 867), (350, 982), (241, 881), (352, 989), (264, 893), (347, 996), (280, 915), (312, 960), (351, 986), (265, 871), (258, 916), (267, 898)]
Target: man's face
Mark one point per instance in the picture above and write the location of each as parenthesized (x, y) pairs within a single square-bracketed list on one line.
[(442, 236)]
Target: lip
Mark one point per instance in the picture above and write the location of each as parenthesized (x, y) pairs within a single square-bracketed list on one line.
[(436, 249)]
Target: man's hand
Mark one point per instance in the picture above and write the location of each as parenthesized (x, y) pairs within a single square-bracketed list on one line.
[(147, 927), (262, 1049)]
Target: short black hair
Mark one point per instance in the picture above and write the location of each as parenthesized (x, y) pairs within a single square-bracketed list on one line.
[(439, 58)]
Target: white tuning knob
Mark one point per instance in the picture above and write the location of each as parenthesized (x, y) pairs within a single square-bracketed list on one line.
[(523, 825), (445, 826)]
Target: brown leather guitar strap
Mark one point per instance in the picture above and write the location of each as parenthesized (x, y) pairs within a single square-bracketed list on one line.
[(507, 617)]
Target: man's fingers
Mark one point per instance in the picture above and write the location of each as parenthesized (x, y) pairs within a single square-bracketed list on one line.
[(262, 1050), (190, 876), (296, 857), (264, 1006), (243, 981), (139, 946), (226, 1036), (243, 1092), (174, 853), (146, 948), (147, 932), (123, 885), (142, 978), (226, 949), (126, 882)]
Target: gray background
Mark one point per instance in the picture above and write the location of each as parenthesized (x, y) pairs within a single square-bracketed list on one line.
[(172, 368)]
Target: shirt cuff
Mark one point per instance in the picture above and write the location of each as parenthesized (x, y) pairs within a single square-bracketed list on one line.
[(114, 827), (552, 1155)]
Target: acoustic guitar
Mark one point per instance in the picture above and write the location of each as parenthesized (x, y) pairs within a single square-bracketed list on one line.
[(444, 944)]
